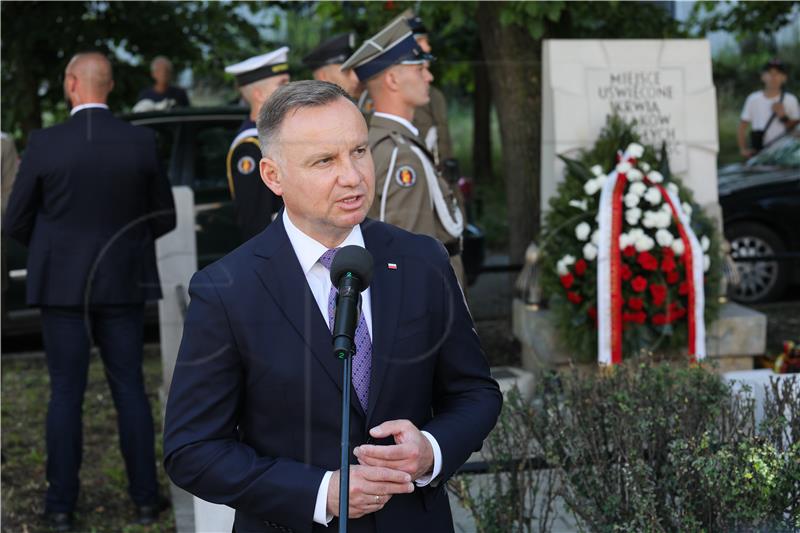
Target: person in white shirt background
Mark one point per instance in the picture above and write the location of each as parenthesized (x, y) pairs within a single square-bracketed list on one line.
[(760, 106)]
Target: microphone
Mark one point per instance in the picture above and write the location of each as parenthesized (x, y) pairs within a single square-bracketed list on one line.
[(351, 273)]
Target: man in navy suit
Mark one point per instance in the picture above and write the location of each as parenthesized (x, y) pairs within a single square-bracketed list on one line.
[(253, 417), (89, 201)]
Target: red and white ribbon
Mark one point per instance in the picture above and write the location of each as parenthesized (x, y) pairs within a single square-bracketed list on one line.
[(609, 289), (609, 280), (693, 263)]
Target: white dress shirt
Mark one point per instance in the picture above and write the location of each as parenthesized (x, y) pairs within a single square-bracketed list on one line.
[(87, 106), (399, 119), (308, 252)]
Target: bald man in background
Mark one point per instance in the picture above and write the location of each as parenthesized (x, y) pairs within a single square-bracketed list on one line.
[(89, 201)]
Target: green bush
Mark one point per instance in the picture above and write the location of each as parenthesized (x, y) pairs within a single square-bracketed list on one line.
[(645, 447)]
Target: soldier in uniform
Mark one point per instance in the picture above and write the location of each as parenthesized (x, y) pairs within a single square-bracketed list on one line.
[(409, 191), (325, 62), (431, 118), (257, 78)]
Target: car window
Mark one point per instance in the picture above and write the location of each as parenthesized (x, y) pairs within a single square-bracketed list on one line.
[(784, 152), (211, 144), (165, 142)]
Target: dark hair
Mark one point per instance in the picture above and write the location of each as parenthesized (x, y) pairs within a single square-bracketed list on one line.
[(289, 97), (776, 64)]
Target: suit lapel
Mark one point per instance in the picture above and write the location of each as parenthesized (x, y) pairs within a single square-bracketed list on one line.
[(282, 276), (386, 291)]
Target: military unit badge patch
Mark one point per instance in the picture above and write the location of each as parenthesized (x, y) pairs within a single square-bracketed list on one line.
[(246, 165), (405, 176)]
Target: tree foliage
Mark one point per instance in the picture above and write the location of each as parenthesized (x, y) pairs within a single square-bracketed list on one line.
[(40, 37), (744, 18)]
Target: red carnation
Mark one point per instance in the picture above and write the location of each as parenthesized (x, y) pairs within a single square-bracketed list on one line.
[(629, 251), (647, 261), (567, 280), (659, 293), (667, 252), (673, 277), (668, 264), (659, 319), (639, 317), (574, 297), (625, 272), (639, 284), (580, 266), (592, 313), (683, 288), (635, 303), (675, 312)]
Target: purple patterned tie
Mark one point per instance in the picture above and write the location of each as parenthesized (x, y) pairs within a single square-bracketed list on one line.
[(362, 361)]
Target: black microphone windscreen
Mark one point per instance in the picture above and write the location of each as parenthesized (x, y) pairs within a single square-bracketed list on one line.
[(354, 259)]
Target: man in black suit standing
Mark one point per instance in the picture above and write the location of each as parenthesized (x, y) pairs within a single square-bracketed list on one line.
[(89, 201), (253, 417)]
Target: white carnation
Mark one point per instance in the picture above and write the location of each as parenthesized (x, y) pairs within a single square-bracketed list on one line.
[(663, 219), (664, 238), (635, 175), (655, 176), (623, 167), (633, 215), (631, 200), (636, 233), (597, 170), (644, 166), (650, 219), (644, 244), (706, 263), (705, 243), (653, 196), (595, 237), (637, 188), (687, 209), (635, 150), (591, 187), (671, 187), (601, 180), (677, 247), (563, 264), (625, 241), (580, 204), (582, 231), (589, 251)]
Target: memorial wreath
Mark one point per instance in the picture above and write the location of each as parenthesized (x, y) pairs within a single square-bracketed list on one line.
[(630, 264)]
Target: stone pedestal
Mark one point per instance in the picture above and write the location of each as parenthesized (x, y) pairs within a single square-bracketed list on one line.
[(739, 334)]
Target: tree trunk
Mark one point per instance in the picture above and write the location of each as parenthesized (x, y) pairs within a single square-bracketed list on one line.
[(481, 124), (513, 58)]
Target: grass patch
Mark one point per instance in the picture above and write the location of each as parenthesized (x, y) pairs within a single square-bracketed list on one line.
[(103, 504)]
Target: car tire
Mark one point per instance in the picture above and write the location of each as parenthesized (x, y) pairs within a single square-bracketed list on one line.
[(761, 281)]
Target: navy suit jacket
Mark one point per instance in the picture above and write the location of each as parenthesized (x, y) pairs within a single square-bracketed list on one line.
[(254, 411), (89, 201)]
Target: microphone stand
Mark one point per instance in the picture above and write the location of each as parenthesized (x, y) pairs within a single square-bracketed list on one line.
[(344, 470), (344, 347)]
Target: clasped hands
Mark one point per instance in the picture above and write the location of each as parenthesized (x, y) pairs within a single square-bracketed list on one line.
[(384, 471)]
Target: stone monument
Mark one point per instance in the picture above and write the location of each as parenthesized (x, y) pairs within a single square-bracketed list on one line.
[(666, 86)]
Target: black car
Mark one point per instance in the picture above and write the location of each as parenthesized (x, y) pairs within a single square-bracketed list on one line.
[(761, 211), (193, 144)]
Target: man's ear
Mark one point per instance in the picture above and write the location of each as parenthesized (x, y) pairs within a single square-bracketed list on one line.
[(391, 79), (271, 175)]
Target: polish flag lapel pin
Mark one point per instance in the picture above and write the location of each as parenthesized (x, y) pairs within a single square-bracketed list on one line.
[(391, 266)]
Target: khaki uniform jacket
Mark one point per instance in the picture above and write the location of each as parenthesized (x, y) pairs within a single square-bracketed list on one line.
[(404, 172), (431, 121)]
